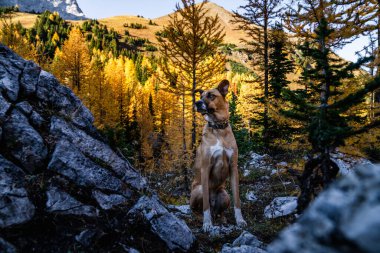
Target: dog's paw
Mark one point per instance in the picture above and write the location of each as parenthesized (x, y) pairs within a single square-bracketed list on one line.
[(207, 227), (241, 223)]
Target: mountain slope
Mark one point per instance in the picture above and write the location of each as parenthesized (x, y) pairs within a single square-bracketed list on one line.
[(233, 34), (67, 9)]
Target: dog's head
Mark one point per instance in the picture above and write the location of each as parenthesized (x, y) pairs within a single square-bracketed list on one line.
[(213, 104)]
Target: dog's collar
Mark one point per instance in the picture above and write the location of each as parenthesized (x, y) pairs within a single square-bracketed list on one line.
[(218, 125)]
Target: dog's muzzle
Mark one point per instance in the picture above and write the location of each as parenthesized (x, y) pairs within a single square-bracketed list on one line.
[(201, 107)]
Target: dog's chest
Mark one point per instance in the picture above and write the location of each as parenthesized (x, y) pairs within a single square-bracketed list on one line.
[(218, 149)]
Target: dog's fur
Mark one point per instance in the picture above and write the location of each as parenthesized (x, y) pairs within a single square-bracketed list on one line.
[(216, 159)]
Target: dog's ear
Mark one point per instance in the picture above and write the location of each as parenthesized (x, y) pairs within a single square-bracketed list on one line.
[(223, 87), (200, 91)]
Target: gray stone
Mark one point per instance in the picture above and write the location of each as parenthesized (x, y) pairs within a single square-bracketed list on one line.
[(98, 150), (29, 78), (36, 120), (63, 101), (343, 218), (86, 237), (62, 203), (245, 243), (347, 163), (4, 107), (23, 142), (25, 108), (108, 201), (6, 247), (251, 196), (15, 206), (280, 206), (173, 231), (71, 163)]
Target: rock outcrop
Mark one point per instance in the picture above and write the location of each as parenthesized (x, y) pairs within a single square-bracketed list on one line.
[(62, 188), (67, 9), (344, 218)]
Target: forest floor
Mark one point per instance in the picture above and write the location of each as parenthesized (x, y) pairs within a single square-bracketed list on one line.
[(262, 178)]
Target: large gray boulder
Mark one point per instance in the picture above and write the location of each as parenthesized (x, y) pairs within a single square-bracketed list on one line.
[(344, 218), (62, 187)]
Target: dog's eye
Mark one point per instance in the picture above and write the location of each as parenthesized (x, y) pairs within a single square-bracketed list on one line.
[(211, 96)]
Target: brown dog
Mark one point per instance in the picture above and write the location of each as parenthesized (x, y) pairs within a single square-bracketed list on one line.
[(216, 159)]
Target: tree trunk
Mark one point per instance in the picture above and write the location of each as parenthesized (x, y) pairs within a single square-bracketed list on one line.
[(266, 78), (194, 122), (184, 147)]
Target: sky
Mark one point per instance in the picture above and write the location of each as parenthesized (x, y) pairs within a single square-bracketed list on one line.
[(157, 8)]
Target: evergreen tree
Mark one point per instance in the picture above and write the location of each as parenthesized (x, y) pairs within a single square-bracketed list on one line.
[(256, 19), (327, 120), (241, 133), (280, 63)]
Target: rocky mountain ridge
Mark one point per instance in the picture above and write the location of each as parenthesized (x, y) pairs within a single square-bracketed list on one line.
[(67, 9)]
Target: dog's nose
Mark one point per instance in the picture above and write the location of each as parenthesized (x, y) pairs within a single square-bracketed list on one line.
[(199, 103)]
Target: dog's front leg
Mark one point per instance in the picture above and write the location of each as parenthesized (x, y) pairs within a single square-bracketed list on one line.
[(235, 192), (205, 174)]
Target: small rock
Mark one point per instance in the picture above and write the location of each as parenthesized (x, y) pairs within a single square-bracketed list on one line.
[(250, 196), (6, 247), (172, 230), (245, 243), (62, 203), (107, 202), (25, 108), (246, 173), (346, 163), (280, 206), (282, 164), (277, 171), (86, 237)]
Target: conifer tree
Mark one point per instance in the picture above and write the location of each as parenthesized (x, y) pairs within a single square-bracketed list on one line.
[(192, 36), (240, 132), (327, 120), (73, 63), (256, 18), (280, 63)]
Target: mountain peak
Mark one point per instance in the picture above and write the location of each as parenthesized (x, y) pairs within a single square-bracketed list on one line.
[(67, 9)]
